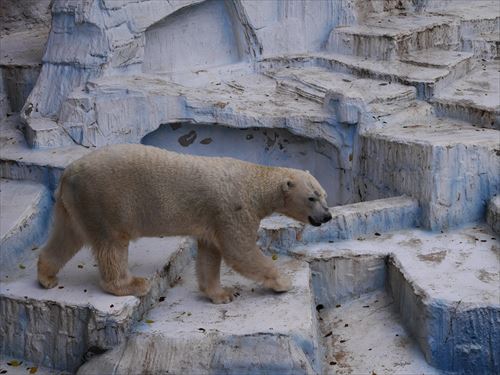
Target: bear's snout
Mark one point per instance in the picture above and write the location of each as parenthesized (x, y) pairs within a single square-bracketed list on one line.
[(327, 218), (318, 221)]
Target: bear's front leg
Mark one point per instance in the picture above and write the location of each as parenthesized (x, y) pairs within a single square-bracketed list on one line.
[(242, 254), (208, 263), (112, 258)]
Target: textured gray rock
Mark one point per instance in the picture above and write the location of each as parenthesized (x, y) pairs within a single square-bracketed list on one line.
[(449, 166), (20, 64), (278, 233), (344, 82), (387, 36), (427, 80), (18, 15), (366, 335), (58, 327), (493, 214), (20, 162), (473, 98), (444, 287), (260, 331), (26, 208)]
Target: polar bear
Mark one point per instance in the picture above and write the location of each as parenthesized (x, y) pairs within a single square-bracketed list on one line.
[(120, 193)]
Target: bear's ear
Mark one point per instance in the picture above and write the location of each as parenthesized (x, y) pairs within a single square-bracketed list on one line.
[(287, 185)]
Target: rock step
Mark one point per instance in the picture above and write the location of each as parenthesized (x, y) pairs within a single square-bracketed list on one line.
[(473, 98), (259, 332), (449, 166), (460, 62), (278, 233), (25, 213), (388, 36), (319, 84), (479, 25), (444, 287), (104, 115), (427, 80), (58, 327), (20, 162), (46, 133), (366, 336), (484, 46), (20, 63)]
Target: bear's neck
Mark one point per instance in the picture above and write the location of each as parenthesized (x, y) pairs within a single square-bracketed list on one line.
[(269, 192)]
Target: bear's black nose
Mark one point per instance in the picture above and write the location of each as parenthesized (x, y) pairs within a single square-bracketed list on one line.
[(327, 217)]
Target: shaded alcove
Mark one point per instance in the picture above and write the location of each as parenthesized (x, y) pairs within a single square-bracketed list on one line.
[(273, 147), (194, 37)]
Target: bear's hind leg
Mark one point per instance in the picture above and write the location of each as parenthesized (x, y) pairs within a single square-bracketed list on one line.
[(208, 272), (112, 258), (63, 244)]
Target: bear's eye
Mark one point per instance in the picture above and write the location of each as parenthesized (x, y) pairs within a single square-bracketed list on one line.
[(312, 199)]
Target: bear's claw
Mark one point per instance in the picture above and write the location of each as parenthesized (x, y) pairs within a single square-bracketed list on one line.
[(280, 284), (48, 282), (140, 286), (221, 296), (137, 286)]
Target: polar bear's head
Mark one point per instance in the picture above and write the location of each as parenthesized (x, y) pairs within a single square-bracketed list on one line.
[(304, 199)]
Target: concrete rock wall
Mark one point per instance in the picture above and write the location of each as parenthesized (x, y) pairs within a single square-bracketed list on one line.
[(93, 38)]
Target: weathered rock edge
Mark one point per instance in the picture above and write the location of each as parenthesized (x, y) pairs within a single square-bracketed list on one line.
[(59, 336)]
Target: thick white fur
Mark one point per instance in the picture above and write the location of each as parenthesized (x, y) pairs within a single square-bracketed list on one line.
[(119, 193)]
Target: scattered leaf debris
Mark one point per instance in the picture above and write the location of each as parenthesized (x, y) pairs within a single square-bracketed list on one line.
[(274, 257), (328, 334), (377, 234), (61, 287), (22, 266), (366, 306), (33, 370), (14, 363), (333, 363), (202, 330), (337, 306), (221, 105), (111, 305), (320, 307), (161, 299), (149, 321), (342, 341)]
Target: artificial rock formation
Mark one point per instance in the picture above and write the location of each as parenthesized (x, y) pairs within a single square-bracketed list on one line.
[(391, 104)]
